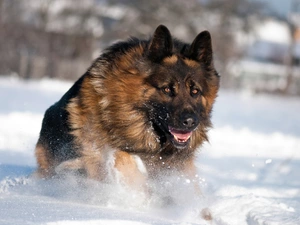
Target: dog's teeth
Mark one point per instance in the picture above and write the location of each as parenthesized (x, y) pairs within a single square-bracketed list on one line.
[(181, 140)]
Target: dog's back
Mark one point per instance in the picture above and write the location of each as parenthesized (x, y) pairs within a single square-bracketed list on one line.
[(146, 98)]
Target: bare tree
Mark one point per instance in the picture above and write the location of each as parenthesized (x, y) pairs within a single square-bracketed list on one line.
[(29, 47), (292, 24), (69, 34)]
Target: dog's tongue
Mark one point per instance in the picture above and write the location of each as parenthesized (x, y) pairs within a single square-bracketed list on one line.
[(180, 135)]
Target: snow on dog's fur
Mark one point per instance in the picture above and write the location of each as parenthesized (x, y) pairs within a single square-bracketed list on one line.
[(148, 100)]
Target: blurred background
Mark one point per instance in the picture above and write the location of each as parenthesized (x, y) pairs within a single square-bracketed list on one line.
[(250, 168), (256, 42)]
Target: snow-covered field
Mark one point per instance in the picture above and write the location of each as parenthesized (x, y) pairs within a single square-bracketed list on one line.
[(250, 170)]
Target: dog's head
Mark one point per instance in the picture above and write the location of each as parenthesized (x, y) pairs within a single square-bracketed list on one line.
[(156, 94), (185, 85)]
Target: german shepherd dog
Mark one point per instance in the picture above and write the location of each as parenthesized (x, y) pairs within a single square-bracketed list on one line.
[(145, 103)]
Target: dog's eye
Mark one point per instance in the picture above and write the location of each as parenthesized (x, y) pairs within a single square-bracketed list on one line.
[(195, 91), (167, 90)]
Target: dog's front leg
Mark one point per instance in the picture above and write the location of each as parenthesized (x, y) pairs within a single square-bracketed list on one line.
[(129, 171), (69, 166), (190, 171)]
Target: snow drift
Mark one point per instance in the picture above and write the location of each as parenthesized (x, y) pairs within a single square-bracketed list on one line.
[(249, 172)]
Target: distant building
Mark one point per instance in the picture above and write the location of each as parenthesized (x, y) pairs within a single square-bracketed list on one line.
[(264, 67), (272, 42)]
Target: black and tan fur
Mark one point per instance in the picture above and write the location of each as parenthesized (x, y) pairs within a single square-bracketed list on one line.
[(132, 100)]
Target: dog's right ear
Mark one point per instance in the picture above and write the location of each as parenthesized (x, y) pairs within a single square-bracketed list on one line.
[(161, 44)]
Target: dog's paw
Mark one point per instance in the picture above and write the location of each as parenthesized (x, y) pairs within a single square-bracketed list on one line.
[(206, 214)]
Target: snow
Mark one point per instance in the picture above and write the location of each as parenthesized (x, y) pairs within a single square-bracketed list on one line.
[(274, 31), (249, 171)]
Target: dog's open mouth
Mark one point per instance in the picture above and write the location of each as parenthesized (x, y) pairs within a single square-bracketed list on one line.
[(180, 138)]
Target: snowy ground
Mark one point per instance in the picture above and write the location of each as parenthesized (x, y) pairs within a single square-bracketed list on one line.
[(250, 169)]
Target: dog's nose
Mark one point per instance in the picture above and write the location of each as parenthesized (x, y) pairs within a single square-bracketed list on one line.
[(189, 122)]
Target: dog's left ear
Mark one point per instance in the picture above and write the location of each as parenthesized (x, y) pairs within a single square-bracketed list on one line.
[(201, 49), (161, 44)]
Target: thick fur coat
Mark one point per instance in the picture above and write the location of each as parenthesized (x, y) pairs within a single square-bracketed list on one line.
[(146, 103)]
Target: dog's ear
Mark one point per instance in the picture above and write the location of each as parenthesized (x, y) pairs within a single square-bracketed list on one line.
[(161, 44), (201, 49)]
